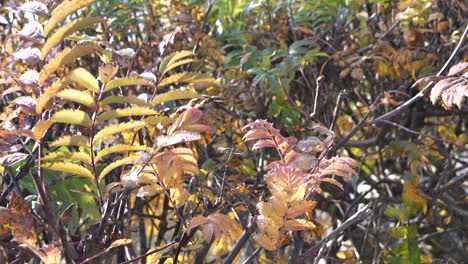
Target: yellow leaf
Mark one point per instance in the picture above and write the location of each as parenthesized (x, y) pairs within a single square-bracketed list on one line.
[(187, 77), (300, 209), (41, 128), (67, 30), (50, 92), (163, 120), (116, 164), (62, 11), (119, 148), (129, 111), (171, 58), (84, 78), (118, 99), (64, 57), (176, 95), (126, 82), (120, 242), (69, 116), (77, 96), (176, 64), (299, 224), (70, 141), (114, 129), (70, 168), (59, 155)]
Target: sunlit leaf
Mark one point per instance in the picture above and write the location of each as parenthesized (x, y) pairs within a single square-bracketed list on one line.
[(63, 10), (69, 168), (84, 78), (77, 96), (75, 117)]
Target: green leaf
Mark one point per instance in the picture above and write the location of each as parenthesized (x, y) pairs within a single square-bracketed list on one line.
[(119, 99), (187, 77), (72, 156)]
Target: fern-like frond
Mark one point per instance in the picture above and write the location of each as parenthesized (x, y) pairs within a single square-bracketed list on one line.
[(67, 30), (120, 99), (72, 116), (187, 77), (129, 111), (170, 59), (80, 97), (50, 92), (119, 148), (176, 95), (84, 78), (114, 129), (72, 156), (62, 11), (64, 57), (68, 140), (219, 226), (69, 168), (117, 164), (126, 82)]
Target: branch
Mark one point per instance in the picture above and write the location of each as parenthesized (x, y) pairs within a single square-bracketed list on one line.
[(426, 89), (453, 182), (237, 247), (355, 218)]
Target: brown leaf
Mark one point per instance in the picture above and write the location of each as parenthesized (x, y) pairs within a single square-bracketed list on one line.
[(22, 224), (457, 69)]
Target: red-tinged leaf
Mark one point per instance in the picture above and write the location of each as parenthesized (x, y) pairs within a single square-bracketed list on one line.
[(257, 134), (258, 123), (457, 69), (27, 104), (197, 128), (188, 117), (334, 182), (176, 138), (267, 143), (208, 232)]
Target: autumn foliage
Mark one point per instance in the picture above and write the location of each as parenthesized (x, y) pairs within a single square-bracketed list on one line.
[(233, 131)]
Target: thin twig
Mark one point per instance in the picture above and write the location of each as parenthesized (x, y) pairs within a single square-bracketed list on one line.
[(426, 89)]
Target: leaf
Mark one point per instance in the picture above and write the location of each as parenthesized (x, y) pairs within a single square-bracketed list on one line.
[(114, 129), (176, 64), (452, 91), (77, 96), (29, 78), (72, 156), (63, 10), (457, 69), (126, 82), (176, 95), (119, 99), (69, 168), (35, 7), (27, 104), (300, 209), (84, 78), (119, 148), (129, 111), (219, 225), (187, 118), (75, 117), (71, 141), (31, 30), (66, 56), (117, 164), (299, 225), (13, 158), (120, 242), (41, 128), (187, 77), (155, 120), (67, 30), (173, 57), (50, 92), (176, 138), (21, 221), (28, 54)]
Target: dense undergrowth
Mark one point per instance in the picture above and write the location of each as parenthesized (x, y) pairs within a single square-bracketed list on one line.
[(233, 131)]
